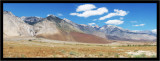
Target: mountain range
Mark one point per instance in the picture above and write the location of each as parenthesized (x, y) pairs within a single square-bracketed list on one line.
[(53, 27)]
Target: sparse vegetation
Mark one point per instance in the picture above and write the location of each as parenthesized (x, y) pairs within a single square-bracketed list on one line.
[(72, 53), (54, 55), (116, 55), (135, 50), (143, 55), (63, 51), (135, 45), (23, 56), (29, 40), (100, 54), (153, 56), (26, 49)]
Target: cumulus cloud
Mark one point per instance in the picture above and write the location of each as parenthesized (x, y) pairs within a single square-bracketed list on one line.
[(91, 24), (74, 13), (117, 12), (154, 30), (88, 11), (94, 20), (133, 21), (139, 25), (114, 22), (85, 7), (59, 14)]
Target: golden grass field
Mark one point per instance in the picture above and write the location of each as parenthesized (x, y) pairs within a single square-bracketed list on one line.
[(38, 49)]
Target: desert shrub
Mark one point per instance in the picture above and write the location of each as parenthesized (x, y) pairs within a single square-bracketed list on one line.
[(137, 56), (153, 56), (88, 45), (99, 45), (10, 47), (135, 50), (123, 45), (68, 57), (116, 55), (140, 56), (128, 45), (29, 40), (54, 55), (129, 56), (139, 45), (23, 56), (100, 54), (72, 53), (63, 51), (143, 55)]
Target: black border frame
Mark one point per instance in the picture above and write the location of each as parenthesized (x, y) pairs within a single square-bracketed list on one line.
[(81, 1)]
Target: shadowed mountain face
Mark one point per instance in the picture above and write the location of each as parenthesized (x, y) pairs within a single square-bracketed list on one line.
[(31, 20), (56, 28)]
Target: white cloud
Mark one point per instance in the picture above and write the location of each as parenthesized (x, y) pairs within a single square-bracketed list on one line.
[(94, 20), (89, 13), (154, 30), (85, 7), (133, 21), (59, 14), (91, 24), (114, 22), (139, 25), (74, 13), (116, 13)]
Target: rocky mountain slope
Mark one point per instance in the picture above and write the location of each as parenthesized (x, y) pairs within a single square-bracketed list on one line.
[(15, 26), (50, 27), (118, 33), (56, 28)]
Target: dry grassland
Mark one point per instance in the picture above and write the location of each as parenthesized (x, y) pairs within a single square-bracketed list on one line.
[(37, 49)]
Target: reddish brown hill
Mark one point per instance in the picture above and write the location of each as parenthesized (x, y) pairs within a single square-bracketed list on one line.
[(76, 36), (64, 36), (87, 38)]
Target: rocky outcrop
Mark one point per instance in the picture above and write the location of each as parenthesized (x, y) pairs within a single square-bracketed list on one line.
[(15, 26), (31, 20)]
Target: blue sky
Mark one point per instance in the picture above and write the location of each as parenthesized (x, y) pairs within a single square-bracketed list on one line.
[(132, 16)]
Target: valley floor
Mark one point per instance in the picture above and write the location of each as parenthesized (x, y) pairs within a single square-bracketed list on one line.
[(43, 48)]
